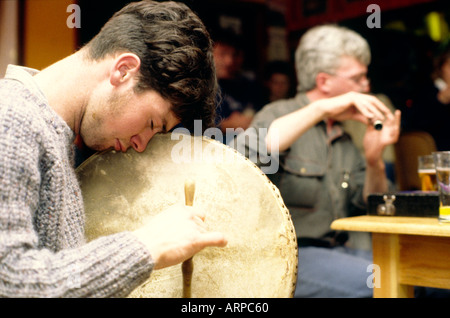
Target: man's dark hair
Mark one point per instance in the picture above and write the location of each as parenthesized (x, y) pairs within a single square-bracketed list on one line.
[(176, 56), (228, 37)]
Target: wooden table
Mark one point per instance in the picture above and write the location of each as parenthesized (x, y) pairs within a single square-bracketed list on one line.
[(409, 251)]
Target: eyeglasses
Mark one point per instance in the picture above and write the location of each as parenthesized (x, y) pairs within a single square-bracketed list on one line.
[(358, 79)]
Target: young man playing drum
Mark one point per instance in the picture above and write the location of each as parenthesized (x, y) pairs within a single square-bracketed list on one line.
[(322, 175), (149, 69)]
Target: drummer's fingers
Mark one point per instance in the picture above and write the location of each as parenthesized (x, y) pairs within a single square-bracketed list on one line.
[(194, 213), (200, 213), (213, 239), (205, 237)]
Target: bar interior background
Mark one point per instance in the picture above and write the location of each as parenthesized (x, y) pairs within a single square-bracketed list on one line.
[(35, 33)]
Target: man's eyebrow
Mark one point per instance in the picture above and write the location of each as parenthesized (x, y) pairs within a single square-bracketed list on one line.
[(359, 75)]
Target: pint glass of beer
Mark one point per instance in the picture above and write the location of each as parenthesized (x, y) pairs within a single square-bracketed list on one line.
[(442, 163), (427, 173)]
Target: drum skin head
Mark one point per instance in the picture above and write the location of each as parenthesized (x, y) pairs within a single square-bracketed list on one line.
[(123, 190)]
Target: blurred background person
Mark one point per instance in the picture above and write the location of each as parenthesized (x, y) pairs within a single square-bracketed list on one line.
[(240, 95), (430, 110), (322, 175), (279, 81)]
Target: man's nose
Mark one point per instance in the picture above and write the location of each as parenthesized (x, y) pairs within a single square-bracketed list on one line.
[(139, 142), (365, 85)]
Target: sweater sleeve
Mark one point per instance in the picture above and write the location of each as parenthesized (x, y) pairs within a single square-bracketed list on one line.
[(111, 266), (50, 260)]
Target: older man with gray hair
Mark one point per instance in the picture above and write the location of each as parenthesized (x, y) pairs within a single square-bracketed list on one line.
[(322, 175)]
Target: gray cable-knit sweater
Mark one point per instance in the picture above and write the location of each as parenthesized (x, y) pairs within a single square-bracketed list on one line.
[(42, 247)]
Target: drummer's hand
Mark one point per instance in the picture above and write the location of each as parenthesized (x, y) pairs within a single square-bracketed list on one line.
[(176, 234)]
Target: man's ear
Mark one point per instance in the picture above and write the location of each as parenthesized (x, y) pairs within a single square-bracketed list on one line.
[(124, 69), (323, 82)]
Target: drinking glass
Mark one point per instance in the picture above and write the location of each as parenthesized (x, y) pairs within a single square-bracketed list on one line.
[(442, 164), (427, 173)]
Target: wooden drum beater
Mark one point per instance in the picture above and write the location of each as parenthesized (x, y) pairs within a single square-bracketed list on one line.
[(188, 267)]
